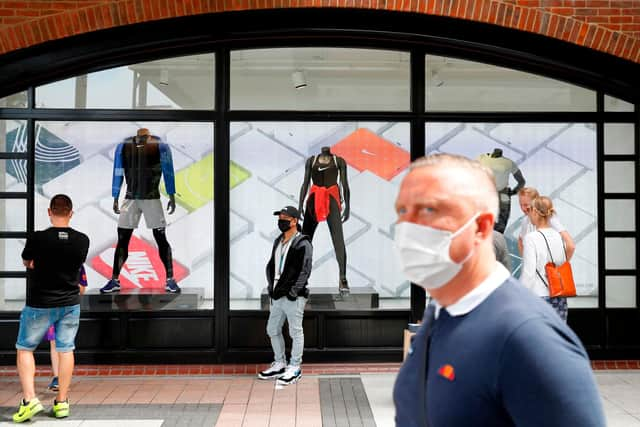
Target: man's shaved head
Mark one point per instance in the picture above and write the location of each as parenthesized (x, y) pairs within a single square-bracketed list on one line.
[(471, 180)]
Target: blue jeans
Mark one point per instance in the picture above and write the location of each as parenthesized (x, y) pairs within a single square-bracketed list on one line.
[(559, 304), (34, 323), (292, 311)]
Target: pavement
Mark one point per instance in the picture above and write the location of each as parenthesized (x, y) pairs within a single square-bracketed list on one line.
[(226, 400)]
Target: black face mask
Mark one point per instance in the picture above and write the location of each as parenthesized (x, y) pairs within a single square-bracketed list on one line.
[(284, 225)]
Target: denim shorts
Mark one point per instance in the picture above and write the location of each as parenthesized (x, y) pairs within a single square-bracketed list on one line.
[(34, 323)]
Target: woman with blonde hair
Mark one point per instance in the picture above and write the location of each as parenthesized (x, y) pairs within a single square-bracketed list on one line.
[(539, 248), (525, 197)]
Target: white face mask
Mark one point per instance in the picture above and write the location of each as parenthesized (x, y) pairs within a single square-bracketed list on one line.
[(424, 253)]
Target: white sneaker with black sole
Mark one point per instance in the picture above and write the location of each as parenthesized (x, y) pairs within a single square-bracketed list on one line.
[(276, 370), (291, 375)]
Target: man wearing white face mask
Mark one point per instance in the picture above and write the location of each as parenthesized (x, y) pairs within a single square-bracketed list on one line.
[(488, 353)]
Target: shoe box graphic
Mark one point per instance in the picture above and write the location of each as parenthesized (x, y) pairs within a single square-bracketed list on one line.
[(54, 156), (364, 150), (194, 184), (143, 269)]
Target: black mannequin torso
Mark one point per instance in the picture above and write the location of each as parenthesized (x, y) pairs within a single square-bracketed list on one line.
[(324, 170)]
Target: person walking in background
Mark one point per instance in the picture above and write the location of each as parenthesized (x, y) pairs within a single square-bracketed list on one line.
[(525, 196), (53, 258), (488, 352), (501, 250), (540, 247), (287, 271), (51, 337)]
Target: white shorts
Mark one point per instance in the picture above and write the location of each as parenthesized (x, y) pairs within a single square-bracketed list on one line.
[(131, 210)]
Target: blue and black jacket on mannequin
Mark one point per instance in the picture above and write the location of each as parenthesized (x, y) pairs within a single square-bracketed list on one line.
[(142, 164)]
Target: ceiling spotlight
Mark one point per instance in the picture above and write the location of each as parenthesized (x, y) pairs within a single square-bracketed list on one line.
[(164, 77), (436, 80), (299, 81)]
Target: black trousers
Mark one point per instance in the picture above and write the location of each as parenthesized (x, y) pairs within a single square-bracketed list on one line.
[(334, 221)]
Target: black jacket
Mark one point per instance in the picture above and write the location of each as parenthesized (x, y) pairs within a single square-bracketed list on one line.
[(296, 269)]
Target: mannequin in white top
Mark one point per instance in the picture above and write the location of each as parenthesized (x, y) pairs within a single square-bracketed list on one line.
[(502, 168), (540, 247), (526, 196)]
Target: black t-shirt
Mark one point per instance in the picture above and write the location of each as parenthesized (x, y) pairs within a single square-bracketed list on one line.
[(57, 254)]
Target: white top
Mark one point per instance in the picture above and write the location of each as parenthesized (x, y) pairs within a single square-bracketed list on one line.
[(282, 250), (501, 168), (535, 255), (480, 293), (526, 227)]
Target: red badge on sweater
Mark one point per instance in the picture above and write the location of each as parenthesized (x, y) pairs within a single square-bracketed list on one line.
[(447, 371)]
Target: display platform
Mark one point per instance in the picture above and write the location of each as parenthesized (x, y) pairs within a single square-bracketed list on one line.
[(142, 300), (328, 298)]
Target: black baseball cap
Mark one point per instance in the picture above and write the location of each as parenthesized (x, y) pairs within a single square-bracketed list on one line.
[(290, 211)]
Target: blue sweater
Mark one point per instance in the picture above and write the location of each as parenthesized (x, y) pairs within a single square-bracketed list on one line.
[(509, 362)]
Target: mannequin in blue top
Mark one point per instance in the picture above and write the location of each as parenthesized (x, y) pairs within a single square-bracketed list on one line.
[(141, 161), (488, 352)]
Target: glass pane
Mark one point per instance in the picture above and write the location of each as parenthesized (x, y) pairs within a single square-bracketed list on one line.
[(182, 83), (13, 139), (11, 254), (559, 159), (619, 177), (619, 138), (320, 79), (621, 291), (615, 104), (13, 175), (91, 148), (12, 294), (13, 215), (457, 85), (17, 100), (620, 253), (13, 136), (620, 215), (268, 164)]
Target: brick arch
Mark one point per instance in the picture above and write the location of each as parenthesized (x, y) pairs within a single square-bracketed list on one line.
[(608, 26)]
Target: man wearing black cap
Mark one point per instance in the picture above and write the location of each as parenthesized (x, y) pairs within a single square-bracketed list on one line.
[(288, 270)]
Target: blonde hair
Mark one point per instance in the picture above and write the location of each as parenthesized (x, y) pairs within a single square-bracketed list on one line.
[(484, 196), (544, 206), (530, 192)]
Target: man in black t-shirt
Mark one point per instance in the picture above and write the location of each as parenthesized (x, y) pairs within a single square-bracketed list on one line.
[(53, 258)]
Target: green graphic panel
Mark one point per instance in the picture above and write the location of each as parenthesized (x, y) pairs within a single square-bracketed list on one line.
[(194, 184)]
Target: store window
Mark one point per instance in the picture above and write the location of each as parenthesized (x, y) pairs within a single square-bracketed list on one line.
[(13, 146), (615, 104), (182, 83), (268, 165), (559, 160), (454, 84), (308, 79), (13, 211), (17, 100), (77, 158)]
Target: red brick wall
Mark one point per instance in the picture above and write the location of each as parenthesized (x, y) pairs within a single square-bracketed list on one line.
[(611, 26)]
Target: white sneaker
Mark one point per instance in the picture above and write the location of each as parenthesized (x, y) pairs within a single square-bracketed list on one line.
[(276, 370), (291, 376)]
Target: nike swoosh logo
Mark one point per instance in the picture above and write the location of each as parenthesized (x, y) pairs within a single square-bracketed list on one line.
[(323, 169), (364, 151)]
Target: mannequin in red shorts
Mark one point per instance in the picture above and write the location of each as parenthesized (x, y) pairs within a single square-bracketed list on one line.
[(327, 199)]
